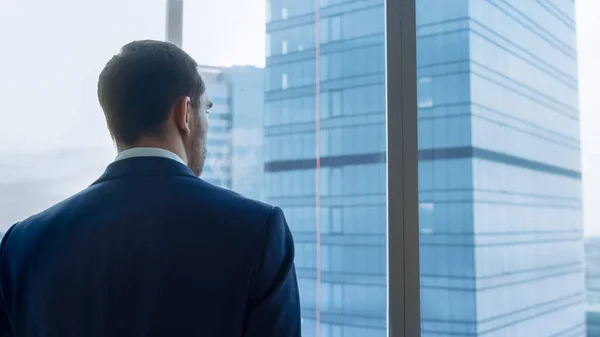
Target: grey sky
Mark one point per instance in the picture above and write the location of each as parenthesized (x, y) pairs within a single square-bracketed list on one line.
[(53, 50)]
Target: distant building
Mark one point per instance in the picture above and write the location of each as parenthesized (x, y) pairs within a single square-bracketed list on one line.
[(499, 164), (592, 285), (592, 271), (593, 321), (235, 137)]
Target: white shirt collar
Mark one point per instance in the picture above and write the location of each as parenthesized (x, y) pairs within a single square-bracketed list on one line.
[(148, 152)]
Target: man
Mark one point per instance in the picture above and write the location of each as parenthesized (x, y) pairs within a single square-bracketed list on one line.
[(149, 249)]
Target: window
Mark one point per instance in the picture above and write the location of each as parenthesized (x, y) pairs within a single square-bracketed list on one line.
[(335, 65), (326, 295), (330, 29), (267, 45), (337, 296), (505, 112), (336, 181), (332, 296), (268, 11), (487, 199), (325, 182), (336, 103), (336, 220), (325, 108), (259, 142), (425, 92), (335, 30), (324, 30), (324, 64)]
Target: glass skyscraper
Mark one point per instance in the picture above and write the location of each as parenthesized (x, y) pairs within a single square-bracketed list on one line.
[(235, 141), (499, 172), (348, 268), (499, 164)]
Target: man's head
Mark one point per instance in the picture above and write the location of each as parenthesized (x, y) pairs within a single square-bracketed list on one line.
[(153, 96)]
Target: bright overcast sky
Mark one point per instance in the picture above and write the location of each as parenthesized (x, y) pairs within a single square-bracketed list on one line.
[(53, 50)]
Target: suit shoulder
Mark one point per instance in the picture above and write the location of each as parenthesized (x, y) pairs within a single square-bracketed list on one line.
[(230, 198), (250, 219), (39, 221)]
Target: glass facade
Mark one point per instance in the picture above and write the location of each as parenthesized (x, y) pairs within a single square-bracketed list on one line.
[(501, 250), (217, 169), (341, 256), (592, 271), (499, 172), (235, 141), (246, 88), (592, 285), (593, 321)]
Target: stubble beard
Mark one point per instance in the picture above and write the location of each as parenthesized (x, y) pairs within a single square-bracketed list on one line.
[(197, 156)]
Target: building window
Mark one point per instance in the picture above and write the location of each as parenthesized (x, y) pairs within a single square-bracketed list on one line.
[(326, 295), (336, 103), (324, 105), (284, 81), (268, 45), (325, 180), (284, 47), (324, 65), (328, 330), (335, 331), (335, 65), (324, 142), (268, 11), (335, 29), (284, 13), (337, 295), (336, 220), (425, 92), (325, 257), (336, 181), (324, 31), (332, 295)]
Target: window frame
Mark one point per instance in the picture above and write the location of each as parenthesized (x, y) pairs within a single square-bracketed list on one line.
[(403, 279)]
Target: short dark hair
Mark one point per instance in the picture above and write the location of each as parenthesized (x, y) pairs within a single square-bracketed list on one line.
[(138, 87)]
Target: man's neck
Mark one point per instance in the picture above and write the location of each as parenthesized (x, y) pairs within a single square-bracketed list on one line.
[(177, 149)]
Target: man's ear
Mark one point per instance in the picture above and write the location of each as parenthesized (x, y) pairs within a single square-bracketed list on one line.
[(181, 114)]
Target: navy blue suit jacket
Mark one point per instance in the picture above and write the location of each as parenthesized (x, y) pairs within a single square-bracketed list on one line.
[(150, 250)]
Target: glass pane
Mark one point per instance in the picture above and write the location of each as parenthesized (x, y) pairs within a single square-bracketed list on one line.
[(298, 121), (500, 183), (340, 226)]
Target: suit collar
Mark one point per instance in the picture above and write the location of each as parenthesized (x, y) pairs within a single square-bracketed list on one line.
[(144, 166)]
